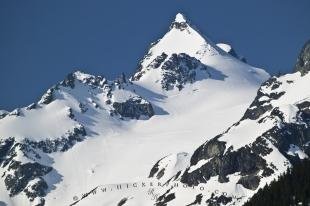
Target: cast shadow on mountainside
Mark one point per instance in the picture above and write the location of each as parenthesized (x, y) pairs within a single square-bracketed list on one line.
[(2, 203), (152, 97), (215, 74), (52, 179)]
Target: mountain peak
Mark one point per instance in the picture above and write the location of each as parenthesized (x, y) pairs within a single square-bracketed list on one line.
[(180, 18), (180, 22), (184, 48)]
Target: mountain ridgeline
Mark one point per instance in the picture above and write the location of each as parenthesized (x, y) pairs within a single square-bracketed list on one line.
[(88, 134)]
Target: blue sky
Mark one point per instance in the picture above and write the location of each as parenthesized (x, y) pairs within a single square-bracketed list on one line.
[(42, 41)]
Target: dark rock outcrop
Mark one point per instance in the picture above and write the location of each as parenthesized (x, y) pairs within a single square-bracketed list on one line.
[(303, 60), (5, 147), (180, 69), (218, 200), (122, 202), (155, 170), (245, 160), (3, 114), (38, 188), (91, 80), (259, 106), (134, 108), (48, 97), (197, 201), (22, 174), (59, 144), (179, 25), (158, 61), (28, 175), (165, 198), (250, 182)]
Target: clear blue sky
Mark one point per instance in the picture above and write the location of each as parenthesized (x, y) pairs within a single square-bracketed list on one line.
[(42, 41)]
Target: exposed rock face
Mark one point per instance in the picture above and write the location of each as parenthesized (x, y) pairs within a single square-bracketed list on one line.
[(197, 200), (165, 198), (156, 171), (303, 60), (69, 81), (250, 182), (37, 188), (158, 61), (22, 175), (179, 25), (27, 176), (60, 144), (5, 146), (122, 202), (3, 114), (261, 103), (180, 22), (170, 167), (177, 70), (47, 97), (180, 69), (218, 200), (134, 108), (297, 135), (246, 160), (91, 80)]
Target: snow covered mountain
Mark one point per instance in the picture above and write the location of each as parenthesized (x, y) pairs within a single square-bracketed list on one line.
[(271, 136), (87, 132)]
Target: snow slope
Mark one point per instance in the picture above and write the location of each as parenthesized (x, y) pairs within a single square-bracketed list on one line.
[(229, 168), (89, 131)]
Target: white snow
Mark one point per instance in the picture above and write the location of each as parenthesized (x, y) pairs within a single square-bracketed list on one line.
[(226, 47), (245, 133), (180, 18), (48, 122), (172, 164), (198, 165)]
